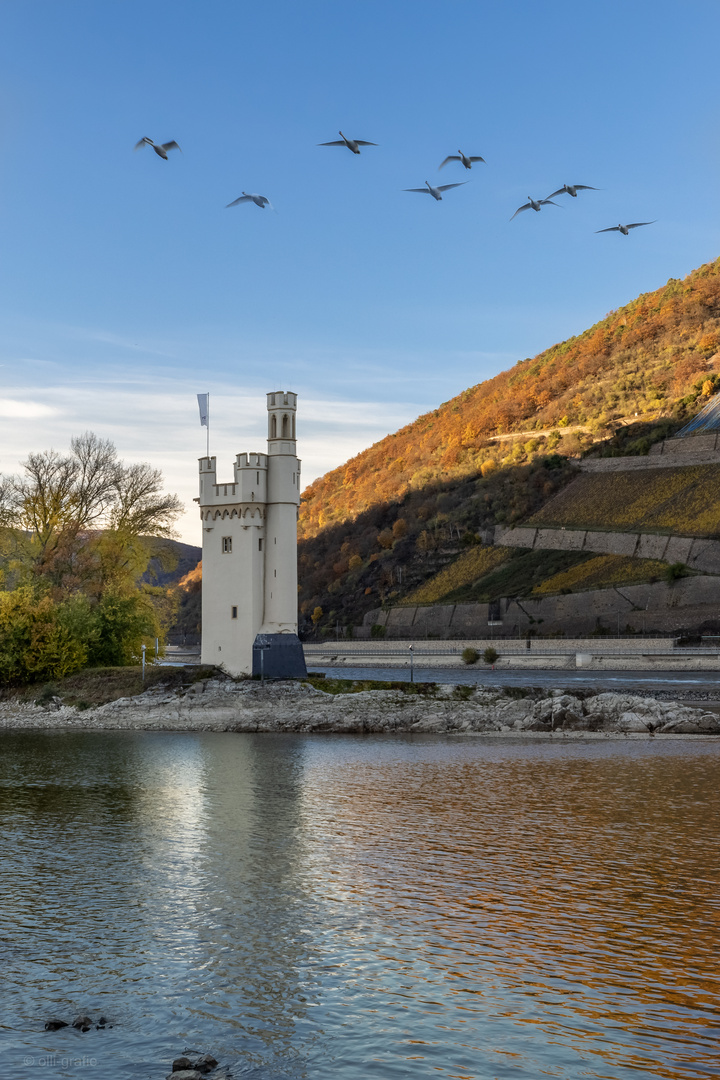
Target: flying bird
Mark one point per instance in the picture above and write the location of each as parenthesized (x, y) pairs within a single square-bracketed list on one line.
[(259, 200), (352, 144), (436, 192), (533, 204), (572, 189), (161, 150), (467, 161), (625, 229)]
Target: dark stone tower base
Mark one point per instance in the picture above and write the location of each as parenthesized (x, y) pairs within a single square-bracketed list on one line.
[(279, 656)]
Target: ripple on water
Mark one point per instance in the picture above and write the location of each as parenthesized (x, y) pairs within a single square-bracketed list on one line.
[(326, 907)]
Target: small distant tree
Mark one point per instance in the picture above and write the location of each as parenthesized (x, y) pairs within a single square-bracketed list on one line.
[(425, 542), (385, 538), (317, 615), (399, 529)]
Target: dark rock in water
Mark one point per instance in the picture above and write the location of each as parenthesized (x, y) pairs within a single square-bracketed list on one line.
[(181, 1063), (83, 1023), (54, 1025), (102, 1021), (205, 1063), (185, 1074)]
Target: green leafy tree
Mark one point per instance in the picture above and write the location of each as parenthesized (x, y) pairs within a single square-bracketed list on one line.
[(41, 639)]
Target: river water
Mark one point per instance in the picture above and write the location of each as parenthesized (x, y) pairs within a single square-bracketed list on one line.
[(345, 907)]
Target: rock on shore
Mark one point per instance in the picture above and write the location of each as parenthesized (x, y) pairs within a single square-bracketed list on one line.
[(220, 704)]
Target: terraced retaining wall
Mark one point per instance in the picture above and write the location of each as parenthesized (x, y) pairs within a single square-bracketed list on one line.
[(690, 450), (687, 604), (699, 554)]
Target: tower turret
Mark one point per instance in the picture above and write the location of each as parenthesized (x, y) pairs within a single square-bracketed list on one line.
[(283, 501)]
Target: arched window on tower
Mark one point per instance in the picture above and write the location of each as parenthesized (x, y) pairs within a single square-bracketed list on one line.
[(285, 427), (273, 427)]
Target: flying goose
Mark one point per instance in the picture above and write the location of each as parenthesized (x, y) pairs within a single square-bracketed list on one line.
[(259, 200), (625, 229), (533, 204), (161, 150), (467, 161), (436, 192), (352, 144), (572, 189)]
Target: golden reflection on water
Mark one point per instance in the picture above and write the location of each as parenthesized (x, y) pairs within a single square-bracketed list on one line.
[(348, 907), (580, 886)]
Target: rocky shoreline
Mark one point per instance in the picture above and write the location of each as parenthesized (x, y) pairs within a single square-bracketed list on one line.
[(222, 704)]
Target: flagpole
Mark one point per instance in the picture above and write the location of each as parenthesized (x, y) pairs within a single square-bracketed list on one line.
[(208, 424)]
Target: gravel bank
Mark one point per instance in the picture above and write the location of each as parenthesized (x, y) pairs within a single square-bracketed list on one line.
[(219, 704)]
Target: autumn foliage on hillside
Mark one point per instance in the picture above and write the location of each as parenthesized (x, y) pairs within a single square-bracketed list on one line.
[(374, 529), (656, 357)]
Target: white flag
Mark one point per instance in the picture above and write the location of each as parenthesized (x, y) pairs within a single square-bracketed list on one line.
[(204, 406)]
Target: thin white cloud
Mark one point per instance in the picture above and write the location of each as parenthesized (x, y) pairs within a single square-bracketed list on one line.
[(12, 409)]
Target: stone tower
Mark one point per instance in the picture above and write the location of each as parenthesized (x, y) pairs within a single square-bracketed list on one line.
[(249, 545)]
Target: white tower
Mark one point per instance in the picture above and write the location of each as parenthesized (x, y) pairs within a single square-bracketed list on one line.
[(249, 596)]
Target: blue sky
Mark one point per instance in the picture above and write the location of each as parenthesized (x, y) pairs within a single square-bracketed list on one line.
[(126, 286)]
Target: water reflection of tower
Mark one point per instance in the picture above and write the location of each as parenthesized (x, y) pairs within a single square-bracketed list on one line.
[(257, 914)]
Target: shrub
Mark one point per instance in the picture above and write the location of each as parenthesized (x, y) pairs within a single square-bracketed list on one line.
[(48, 692), (470, 656), (490, 655), (41, 640), (675, 571), (124, 621), (377, 630)]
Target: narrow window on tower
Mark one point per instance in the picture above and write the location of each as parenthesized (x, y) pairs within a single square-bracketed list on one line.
[(226, 544), (258, 478), (259, 545), (233, 613)]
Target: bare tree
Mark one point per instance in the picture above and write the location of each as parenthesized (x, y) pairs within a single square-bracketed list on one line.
[(65, 514)]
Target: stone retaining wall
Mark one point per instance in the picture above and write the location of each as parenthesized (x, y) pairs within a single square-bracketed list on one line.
[(687, 604), (692, 450), (699, 554)]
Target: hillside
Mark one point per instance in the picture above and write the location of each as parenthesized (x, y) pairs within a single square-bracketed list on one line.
[(374, 529)]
